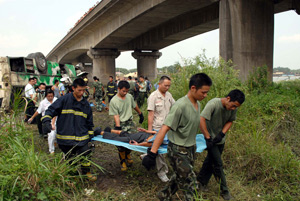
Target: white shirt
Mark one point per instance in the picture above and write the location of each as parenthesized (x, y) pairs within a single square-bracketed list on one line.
[(161, 106), (29, 90), (44, 106)]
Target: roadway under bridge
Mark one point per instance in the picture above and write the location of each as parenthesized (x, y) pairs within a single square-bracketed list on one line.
[(146, 26)]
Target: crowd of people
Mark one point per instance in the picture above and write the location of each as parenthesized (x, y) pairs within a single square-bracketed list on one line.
[(68, 116)]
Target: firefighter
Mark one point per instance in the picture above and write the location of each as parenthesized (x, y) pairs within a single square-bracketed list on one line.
[(74, 125)]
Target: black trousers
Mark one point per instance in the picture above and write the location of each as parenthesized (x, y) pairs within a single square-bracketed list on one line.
[(213, 165), (30, 110), (39, 123), (72, 151), (126, 137), (109, 98)]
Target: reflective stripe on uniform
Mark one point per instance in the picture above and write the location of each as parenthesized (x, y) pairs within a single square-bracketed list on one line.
[(70, 137), (87, 164), (74, 112), (46, 116), (91, 132)]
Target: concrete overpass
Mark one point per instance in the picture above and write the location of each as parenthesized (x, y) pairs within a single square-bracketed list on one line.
[(146, 26)]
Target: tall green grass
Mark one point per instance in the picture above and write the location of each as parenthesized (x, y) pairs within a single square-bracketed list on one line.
[(26, 174), (263, 145), (29, 174)]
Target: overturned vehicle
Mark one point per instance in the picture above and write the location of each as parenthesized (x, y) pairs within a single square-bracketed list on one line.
[(16, 71)]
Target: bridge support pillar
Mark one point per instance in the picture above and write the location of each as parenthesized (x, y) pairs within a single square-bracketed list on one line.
[(247, 34), (104, 63), (146, 63)]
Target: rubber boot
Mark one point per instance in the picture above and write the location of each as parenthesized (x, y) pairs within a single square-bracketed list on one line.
[(122, 156), (129, 159)]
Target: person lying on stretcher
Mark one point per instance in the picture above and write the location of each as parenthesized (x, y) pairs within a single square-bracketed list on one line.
[(141, 138)]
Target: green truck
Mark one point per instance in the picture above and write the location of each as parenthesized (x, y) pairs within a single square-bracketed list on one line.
[(15, 72)]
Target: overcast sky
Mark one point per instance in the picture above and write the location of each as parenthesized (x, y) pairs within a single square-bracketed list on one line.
[(28, 26)]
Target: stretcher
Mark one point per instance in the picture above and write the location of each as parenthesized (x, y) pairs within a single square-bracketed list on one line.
[(200, 141)]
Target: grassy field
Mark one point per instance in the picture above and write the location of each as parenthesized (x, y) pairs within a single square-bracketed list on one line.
[(261, 156)]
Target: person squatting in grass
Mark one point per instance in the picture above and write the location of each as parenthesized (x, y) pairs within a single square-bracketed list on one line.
[(120, 107), (215, 120), (74, 125), (43, 106), (182, 125)]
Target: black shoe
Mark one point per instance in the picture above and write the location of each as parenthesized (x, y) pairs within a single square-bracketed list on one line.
[(107, 129), (226, 195)]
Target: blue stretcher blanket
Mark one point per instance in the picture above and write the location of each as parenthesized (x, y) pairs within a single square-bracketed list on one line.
[(200, 141)]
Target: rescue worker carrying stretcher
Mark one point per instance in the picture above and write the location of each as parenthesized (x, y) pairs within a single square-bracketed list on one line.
[(74, 125)]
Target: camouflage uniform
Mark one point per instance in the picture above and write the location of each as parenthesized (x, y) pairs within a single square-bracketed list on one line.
[(184, 178), (98, 95), (128, 126), (142, 94), (183, 121)]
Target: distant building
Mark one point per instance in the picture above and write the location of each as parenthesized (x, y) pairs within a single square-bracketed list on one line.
[(133, 75), (278, 74)]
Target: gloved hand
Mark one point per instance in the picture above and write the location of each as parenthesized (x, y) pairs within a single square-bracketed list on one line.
[(149, 161), (119, 128), (209, 143), (91, 146), (219, 137), (141, 118), (46, 126), (97, 131)]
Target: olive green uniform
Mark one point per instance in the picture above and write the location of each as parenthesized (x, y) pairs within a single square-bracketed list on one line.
[(123, 108), (216, 117), (183, 121), (132, 87)]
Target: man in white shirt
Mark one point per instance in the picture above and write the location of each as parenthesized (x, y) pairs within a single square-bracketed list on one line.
[(43, 106), (29, 91), (159, 104)]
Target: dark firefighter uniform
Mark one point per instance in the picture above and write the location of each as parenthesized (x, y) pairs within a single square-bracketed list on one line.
[(111, 90), (74, 126)]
